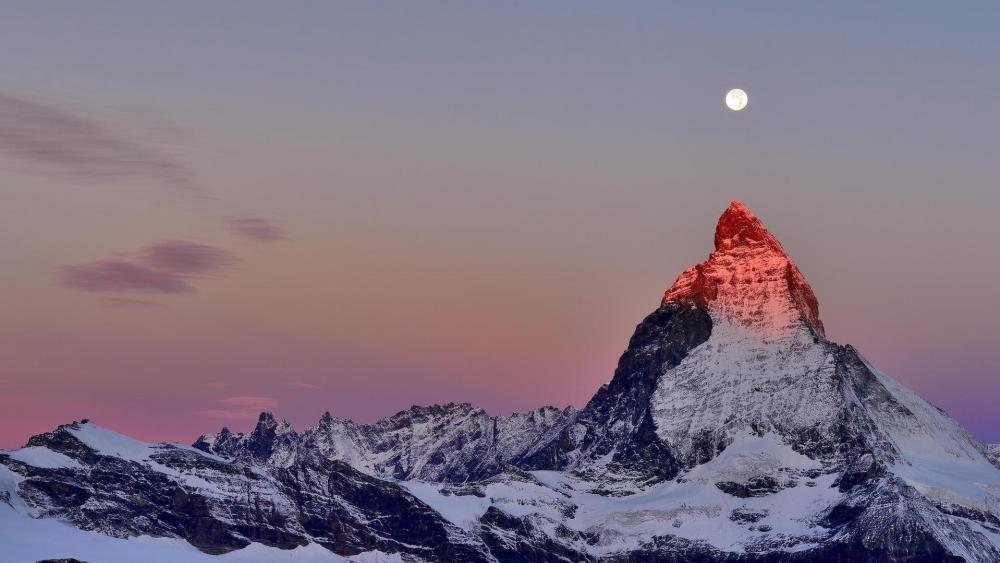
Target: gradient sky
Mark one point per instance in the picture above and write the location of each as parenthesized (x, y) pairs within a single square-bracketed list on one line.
[(211, 209)]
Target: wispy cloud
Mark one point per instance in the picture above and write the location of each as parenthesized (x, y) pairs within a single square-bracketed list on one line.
[(123, 276), (127, 303), (53, 138), (189, 258), (241, 408), (306, 385), (256, 228), (259, 403), (166, 267), (59, 140)]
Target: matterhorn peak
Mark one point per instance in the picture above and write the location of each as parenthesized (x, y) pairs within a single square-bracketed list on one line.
[(749, 280), (738, 226)]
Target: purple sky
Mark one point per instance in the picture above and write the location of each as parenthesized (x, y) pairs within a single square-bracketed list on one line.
[(214, 209)]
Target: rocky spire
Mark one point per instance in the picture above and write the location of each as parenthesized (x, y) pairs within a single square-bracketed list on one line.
[(738, 226), (269, 436), (749, 279)]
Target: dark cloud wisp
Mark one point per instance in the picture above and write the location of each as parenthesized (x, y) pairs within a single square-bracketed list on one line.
[(128, 303), (256, 228), (121, 276), (168, 267), (241, 408), (62, 141), (189, 258)]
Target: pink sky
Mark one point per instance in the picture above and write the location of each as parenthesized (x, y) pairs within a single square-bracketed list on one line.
[(346, 212)]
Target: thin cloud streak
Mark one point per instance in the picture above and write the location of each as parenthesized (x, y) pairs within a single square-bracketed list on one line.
[(259, 403), (189, 258), (126, 303), (229, 414), (241, 408), (256, 228), (123, 276), (56, 139), (166, 267), (59, 140)]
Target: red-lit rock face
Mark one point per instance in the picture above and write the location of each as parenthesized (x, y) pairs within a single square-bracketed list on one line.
[(749, 279)]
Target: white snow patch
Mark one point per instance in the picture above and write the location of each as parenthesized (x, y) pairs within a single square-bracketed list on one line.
[(463, 511), (751, 456), (940, 458), (697, 510), (108, 443), (515, 497), (28, 539), (37, 456), (8, 485)]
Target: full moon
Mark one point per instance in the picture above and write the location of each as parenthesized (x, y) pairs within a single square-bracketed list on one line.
[(736, 99)]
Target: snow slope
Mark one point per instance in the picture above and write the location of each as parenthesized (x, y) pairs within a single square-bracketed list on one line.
[(28, 539), (43, 457), (691, 507)]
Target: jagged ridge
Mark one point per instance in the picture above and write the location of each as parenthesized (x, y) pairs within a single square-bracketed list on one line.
[(456, 442)]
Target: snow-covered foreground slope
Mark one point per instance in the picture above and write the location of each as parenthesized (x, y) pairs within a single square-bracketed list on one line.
[(732, 430), (27, 540), (25, 536)]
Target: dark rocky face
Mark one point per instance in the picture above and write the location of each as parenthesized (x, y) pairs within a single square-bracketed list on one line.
[(659, 343)]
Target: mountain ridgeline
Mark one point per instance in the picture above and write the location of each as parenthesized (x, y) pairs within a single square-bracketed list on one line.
[(732, 430)]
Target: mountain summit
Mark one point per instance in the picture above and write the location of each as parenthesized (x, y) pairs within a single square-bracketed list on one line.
[(738, 226), (732, 430), (749, 280)]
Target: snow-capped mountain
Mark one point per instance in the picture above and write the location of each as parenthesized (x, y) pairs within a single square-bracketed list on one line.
[(449, 443), (732, 430)]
